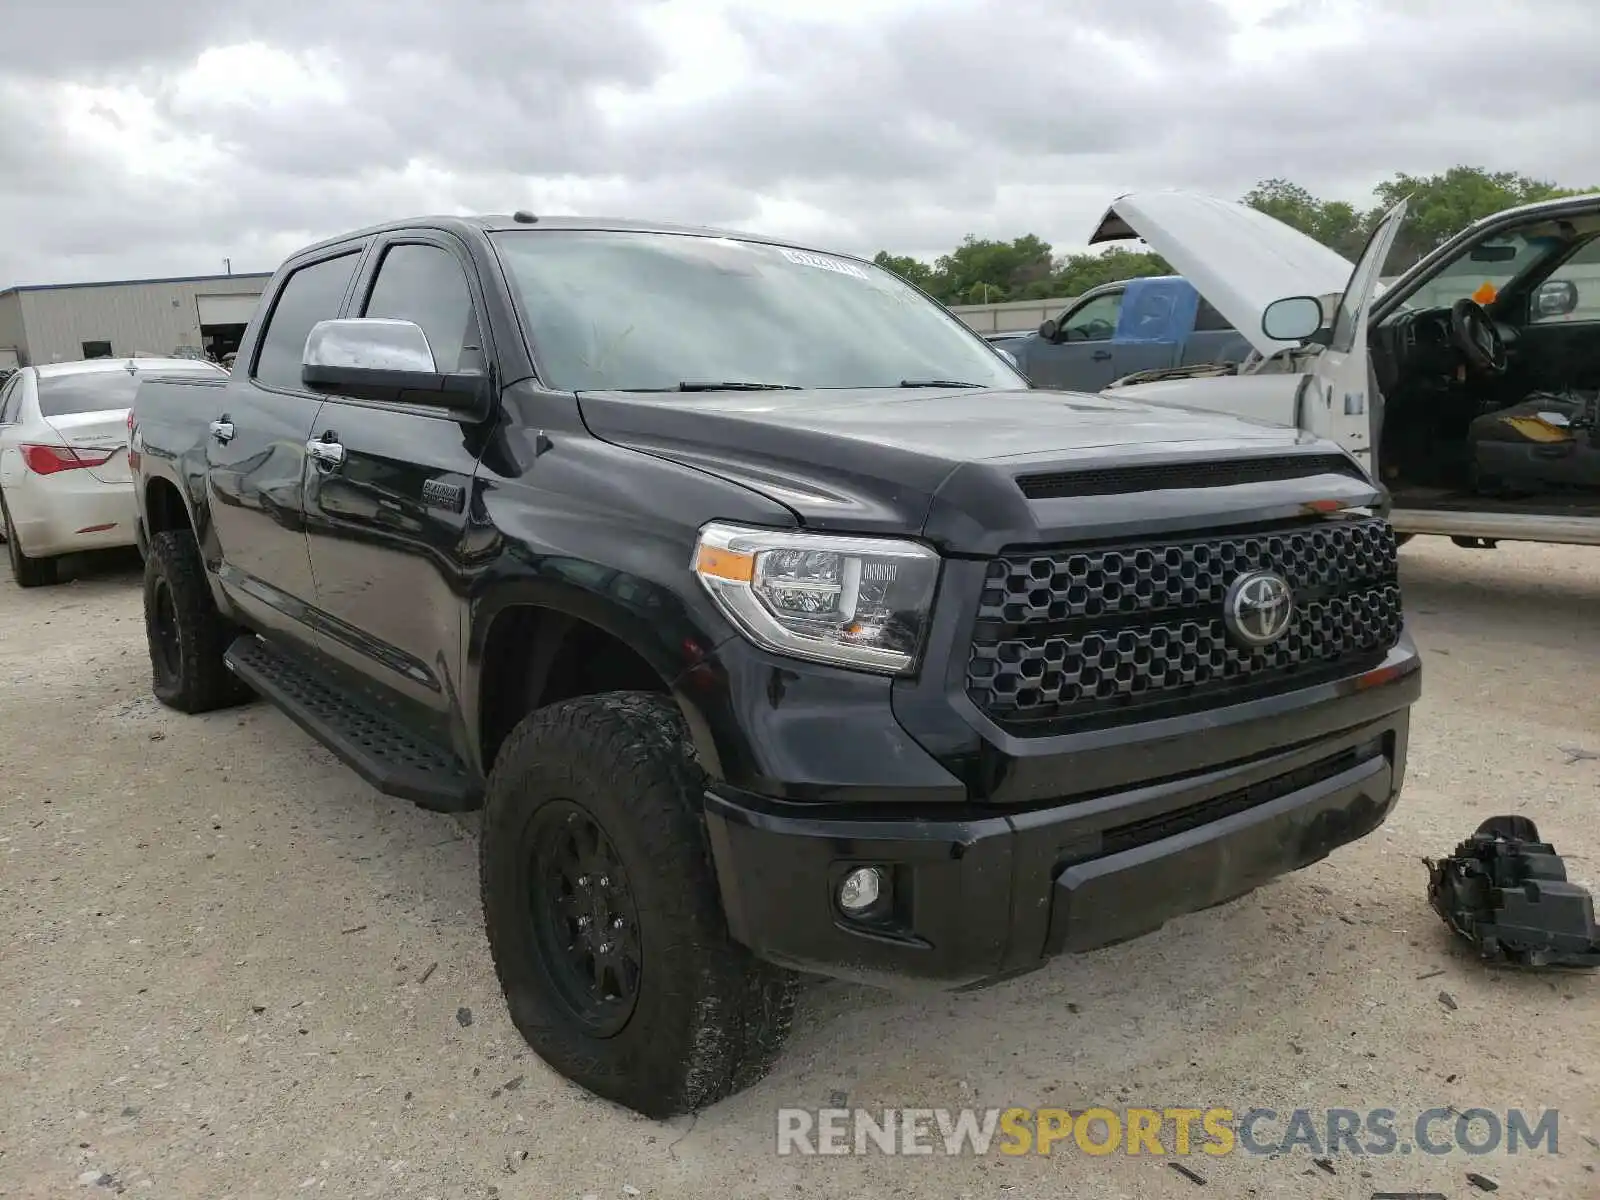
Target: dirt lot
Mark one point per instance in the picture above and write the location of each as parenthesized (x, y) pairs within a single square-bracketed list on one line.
[(229, 968)]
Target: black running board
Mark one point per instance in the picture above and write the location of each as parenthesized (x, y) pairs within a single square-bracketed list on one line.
[(388, 756)]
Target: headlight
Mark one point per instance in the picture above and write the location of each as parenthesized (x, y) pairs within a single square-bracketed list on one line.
[(856, 601)]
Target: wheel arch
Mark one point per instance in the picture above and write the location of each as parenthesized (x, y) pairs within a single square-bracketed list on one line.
[(526, 638), (165, 509)]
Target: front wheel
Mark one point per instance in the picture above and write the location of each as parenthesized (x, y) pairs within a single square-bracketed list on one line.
[(28, 572), (603, 914)]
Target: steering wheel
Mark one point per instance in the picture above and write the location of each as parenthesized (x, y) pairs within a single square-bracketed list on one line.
[(1477, 337)]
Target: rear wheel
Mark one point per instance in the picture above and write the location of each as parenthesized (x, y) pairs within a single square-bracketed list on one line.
[(186, 634), (28, 572), (603, 912)]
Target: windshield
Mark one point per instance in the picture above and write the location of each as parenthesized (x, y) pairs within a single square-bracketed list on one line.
[(100, 391), (1482, 270), (637, 311)]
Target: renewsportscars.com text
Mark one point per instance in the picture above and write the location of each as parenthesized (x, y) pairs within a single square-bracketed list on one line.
[(1166, 1132)]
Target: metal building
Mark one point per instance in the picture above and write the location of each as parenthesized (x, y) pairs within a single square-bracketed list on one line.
[(60, 322)]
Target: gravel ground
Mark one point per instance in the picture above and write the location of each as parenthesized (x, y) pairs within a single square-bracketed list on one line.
[(229, 968)]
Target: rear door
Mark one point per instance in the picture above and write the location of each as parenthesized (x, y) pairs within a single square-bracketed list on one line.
[(387, 520), (1080, 356), (256, 431), (1340, 404)]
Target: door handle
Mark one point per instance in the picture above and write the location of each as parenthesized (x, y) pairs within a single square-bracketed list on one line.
[(1100, 355), (222, 430), (327, 454)]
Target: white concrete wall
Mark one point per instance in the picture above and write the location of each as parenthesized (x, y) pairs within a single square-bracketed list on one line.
[(1015, 316)]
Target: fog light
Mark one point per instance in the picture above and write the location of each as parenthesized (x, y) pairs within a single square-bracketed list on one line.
[(860, 890)]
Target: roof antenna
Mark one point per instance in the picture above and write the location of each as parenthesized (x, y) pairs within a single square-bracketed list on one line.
[(523, 217)]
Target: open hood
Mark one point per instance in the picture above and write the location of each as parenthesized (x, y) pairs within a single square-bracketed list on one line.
[(1239, 259)]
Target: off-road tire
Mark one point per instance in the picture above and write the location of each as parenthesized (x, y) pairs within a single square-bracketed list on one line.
[(193, 679), (709, 1019), (28, 572)]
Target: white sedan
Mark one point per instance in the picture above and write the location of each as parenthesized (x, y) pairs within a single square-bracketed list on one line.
[(64, 480)]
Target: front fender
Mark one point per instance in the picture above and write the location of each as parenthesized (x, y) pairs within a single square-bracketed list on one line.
[(602, 534), (648, 619)]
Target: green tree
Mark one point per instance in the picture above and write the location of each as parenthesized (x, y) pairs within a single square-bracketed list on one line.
[(1332, 222), (912, 270), (1441, 206), (1077, 273), (984, 271), (988, 271)]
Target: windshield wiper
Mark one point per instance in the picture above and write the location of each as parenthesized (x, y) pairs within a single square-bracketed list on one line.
[(946, 383), (736, 386)]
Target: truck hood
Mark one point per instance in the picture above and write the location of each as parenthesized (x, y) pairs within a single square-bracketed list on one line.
[(951, 465), (1239, 259)]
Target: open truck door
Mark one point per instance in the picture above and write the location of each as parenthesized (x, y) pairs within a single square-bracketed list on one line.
[(1339, 398), (1245, 262)]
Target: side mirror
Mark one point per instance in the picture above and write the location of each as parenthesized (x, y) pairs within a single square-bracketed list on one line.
[(1556, 298), (374, 358), (1292, 319), (1049, 331), (1008, 356)]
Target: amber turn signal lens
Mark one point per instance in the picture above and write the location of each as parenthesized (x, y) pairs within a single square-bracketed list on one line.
[(725, 564)]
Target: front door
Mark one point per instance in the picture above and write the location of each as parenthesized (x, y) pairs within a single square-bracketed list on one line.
[(388, 495), (1079, 357), (1340, 405), (256, 457)]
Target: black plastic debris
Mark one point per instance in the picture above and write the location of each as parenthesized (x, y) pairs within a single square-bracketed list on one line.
[(1507, 892), (1191, 1176)]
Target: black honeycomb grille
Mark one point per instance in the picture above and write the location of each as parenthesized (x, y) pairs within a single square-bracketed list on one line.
[(1097, 633)]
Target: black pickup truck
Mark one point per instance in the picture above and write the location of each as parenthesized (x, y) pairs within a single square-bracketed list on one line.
[(772, 619)]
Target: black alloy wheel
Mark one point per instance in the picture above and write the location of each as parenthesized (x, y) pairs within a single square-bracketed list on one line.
[(585, 921), (166, 650)]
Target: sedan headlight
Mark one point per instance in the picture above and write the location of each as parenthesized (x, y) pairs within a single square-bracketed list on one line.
[(854, 601)]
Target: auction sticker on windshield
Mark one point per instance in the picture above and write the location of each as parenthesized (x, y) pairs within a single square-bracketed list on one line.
[(806, 259)]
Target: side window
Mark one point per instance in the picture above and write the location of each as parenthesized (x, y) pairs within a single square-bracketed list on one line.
[(425, 284), (1094, 321), (312, 294), (1572, 292), (1208, 319)]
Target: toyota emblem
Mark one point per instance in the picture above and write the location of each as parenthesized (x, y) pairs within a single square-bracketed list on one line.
[(1258, 608)]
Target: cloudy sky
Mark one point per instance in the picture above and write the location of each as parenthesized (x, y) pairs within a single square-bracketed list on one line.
[(157, 137)]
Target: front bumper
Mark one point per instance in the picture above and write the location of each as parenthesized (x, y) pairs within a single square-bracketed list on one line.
[(978, 894)]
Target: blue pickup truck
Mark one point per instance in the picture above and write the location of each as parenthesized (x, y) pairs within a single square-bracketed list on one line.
[(1117, 329)]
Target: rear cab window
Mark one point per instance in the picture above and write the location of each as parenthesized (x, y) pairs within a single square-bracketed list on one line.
[(312, 293), (1208, 320)]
